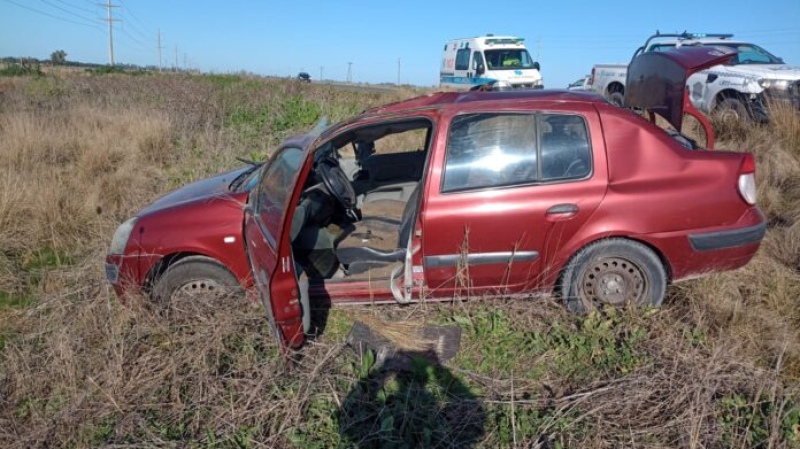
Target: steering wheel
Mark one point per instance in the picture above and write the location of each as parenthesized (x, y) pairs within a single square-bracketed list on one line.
[(336, 183)]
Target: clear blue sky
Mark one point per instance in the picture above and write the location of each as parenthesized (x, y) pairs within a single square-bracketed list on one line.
[(284, 37)]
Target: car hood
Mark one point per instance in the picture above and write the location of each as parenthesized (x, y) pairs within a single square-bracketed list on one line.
[(761, 71), (215, 186)]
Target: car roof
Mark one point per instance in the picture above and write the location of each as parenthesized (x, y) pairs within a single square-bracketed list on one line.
[(444, 100), (701, 40)]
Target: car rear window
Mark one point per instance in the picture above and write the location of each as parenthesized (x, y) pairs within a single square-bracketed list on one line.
[(502, 149)]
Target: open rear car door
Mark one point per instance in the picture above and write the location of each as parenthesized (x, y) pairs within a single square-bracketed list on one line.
[(656, 82)]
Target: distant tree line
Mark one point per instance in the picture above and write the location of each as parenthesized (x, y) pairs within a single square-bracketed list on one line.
[(60, 59)]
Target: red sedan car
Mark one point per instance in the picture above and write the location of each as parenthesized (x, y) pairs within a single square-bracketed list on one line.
[(459, 195), (485, 193)]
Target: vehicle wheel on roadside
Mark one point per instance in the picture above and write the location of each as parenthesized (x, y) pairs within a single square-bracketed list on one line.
[(616, 98), (194, 278), (615, 272), (731, 110)]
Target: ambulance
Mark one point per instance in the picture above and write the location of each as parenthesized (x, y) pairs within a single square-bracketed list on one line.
[(500, 61)]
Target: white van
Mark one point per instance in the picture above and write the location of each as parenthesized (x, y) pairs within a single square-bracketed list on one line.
[(500, 60)]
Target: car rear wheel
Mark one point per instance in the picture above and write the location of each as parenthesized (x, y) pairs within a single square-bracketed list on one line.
[(614, 272), (616, 98), (194, 279)]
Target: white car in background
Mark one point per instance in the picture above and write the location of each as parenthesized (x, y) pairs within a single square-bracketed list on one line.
[(584, 83), (741, 89)]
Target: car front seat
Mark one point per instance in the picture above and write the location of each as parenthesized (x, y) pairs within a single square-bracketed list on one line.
[(371, 243)]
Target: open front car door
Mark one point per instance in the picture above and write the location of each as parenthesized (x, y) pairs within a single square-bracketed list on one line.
[(269, 249)]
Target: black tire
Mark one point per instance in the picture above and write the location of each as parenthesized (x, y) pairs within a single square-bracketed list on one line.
[(731, 110), (193, 277), (615, 272), (616, 98)]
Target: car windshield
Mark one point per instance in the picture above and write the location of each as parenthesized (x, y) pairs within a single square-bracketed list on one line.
[(247, 180), (578, 83), (751, 54), (748, 53), (508, 59)]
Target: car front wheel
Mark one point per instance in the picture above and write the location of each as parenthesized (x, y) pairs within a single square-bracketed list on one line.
[(614, 272), (731, 110), (194, 278)]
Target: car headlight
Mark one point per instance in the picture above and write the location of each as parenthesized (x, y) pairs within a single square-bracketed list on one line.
[(774, 84), (121, 236)]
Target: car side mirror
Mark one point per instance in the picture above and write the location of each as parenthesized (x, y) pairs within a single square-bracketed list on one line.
[(536, 65), (480, 69)]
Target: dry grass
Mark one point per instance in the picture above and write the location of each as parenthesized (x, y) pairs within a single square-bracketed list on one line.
[(718, 366)]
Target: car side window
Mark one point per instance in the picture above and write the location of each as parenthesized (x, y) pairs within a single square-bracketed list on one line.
[(490, 150), (564, 147), (505, 149), (477, 60), (462, 59), (276, 186)]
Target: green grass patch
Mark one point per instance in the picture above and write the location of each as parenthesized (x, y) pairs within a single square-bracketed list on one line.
[(601, 344), (222, 81), (21, 70), (746, 422), (14, 301), (46, 258)]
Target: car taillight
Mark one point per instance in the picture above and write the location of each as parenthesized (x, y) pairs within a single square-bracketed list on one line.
[(747, 179)]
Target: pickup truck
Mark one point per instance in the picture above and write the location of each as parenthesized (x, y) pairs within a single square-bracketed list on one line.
[(741, 89)]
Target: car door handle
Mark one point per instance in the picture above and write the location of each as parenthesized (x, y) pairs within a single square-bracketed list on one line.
[(562, 211)]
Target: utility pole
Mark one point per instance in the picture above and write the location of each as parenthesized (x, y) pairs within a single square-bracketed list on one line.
[(159, 49), (110, 21), (349, 72), (398, 71), (184, 61), (176, 58), (320, 72)]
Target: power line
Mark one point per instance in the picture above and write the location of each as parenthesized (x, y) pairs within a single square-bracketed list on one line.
[(93, 11), (130, 25), (137, 41), (132, 14), (133, 27), (51, 15), (135, 18), (88, 19)]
